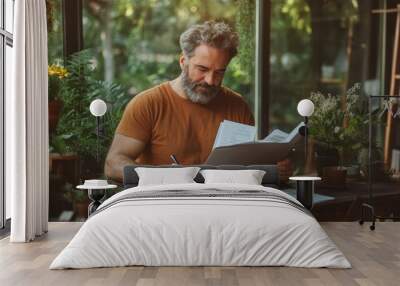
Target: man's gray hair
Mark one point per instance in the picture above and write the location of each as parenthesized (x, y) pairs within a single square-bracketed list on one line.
[(215, 34)]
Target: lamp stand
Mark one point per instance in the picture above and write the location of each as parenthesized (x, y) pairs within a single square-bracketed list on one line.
[(97, 139), (305, 141)]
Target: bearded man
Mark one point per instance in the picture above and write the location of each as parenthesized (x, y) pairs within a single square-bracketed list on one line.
[(181, 117)]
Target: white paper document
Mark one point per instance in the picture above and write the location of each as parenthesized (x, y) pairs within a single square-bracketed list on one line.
[(231, 133), (275, 136), (279, 136)]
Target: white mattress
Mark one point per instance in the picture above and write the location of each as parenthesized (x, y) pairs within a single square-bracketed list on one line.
[(185, 231)]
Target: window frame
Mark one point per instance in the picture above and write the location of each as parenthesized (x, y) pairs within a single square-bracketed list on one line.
[(262, 66), (6, 39)]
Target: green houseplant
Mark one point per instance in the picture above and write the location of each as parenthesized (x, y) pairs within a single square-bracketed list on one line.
[(339, 124), (76, 131)]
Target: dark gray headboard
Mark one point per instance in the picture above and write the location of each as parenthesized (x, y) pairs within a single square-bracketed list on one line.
[(271, 177)]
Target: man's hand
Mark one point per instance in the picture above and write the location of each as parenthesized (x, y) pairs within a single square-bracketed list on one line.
[(123, 151), (285, 170)]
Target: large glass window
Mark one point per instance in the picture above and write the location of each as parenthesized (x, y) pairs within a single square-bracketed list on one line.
[(336, 53), (130, 46)]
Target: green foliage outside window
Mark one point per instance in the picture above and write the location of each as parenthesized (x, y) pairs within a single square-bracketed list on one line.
[(305, 35), (135, 44), (144, 37), (77, 126)]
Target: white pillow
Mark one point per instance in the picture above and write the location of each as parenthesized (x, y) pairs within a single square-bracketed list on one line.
[(163, 176), (248, 177)]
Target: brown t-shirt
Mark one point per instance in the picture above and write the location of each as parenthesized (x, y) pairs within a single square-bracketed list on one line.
[(170, 124)]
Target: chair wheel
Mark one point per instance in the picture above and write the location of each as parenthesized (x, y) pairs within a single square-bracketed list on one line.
[(372, 227), (361, 222)]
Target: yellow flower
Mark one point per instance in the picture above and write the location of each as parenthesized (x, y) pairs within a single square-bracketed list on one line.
[(57, 71)]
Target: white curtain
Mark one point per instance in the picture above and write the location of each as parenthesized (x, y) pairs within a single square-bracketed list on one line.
[(27, 163)]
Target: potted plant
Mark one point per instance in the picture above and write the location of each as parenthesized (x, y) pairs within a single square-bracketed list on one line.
[(338, 125), (76, 130), (56, 74)]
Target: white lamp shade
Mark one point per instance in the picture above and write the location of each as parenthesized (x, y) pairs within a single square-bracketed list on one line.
[(98, 107), (305, 108)]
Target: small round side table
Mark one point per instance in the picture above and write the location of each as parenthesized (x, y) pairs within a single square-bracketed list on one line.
[(305, 189), (96, 194)]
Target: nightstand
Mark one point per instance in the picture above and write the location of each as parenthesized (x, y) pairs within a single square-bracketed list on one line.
[(96, 192), (305, 189)]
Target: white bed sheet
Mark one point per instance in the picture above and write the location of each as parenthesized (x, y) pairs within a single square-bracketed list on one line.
[(200, 231)]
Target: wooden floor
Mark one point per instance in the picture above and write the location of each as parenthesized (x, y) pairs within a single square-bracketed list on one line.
[(375, 257)]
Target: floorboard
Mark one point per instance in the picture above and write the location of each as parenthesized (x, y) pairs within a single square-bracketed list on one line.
[(375, 257)]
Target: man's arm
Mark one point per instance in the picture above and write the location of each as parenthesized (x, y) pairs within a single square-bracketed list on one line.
[(123, 151)]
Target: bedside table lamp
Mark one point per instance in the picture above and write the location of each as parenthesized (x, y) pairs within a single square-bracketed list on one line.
[(98, 108), (305, 108), (305, 184), (96, 188)]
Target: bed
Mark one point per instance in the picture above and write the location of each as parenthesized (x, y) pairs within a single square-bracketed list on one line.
[(201, 224)]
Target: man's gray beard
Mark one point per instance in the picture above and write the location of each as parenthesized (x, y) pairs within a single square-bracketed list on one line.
[(189, 87)]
